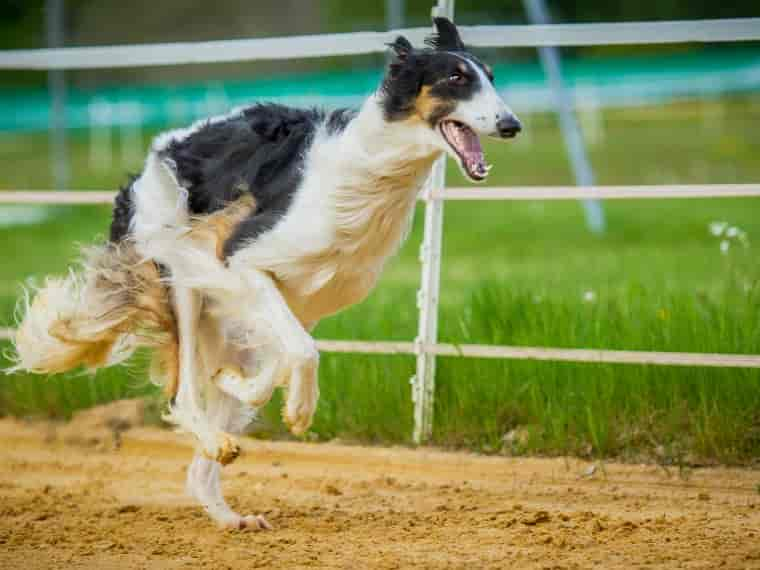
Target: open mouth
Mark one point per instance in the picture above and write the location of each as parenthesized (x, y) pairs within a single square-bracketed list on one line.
[(466, 144)]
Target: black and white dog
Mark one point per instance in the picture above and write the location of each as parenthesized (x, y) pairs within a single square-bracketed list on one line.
[(243, 231)]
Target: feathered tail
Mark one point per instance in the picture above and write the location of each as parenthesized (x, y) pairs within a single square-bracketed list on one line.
[(97, 316)]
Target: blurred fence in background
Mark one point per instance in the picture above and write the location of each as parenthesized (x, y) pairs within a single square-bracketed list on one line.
[(116, 120), (596, 84)]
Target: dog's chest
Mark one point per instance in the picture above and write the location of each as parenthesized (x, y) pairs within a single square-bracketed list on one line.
[(345, 222), (341, 291), (343, 273)]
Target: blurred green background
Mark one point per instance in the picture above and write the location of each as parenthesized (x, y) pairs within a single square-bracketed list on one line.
[(523, 273)]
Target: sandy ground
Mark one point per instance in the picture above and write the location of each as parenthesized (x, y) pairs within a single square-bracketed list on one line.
[(74, 503)]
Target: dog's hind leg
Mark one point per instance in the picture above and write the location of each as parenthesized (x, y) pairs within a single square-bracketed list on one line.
[(186, 408), (204, 475), (225, 415)]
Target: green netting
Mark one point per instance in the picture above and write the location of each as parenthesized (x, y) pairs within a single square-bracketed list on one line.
[(603, 81)]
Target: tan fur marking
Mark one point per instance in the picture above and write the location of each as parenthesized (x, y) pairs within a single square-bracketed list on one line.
[(212, 230), (165, 365), (229, 370), (215, 229), (427, 105), (98, 316), (229, 450)]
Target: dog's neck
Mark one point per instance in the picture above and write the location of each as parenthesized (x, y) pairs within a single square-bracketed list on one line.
[(378, 169), (352, 213), (387, 147)]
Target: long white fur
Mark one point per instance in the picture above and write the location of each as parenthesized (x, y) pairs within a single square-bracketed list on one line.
[(40, 351), (254, 312), (243, 298), (336, 196), (223, 413), (284, 351)]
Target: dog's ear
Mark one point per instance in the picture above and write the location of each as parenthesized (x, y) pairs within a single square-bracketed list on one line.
[(447, 37), (401, 48)]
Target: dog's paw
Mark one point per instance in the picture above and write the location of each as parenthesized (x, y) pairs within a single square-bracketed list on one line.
[(298, 420), (227, 450), (300, 406), (249, 522), (254, 391)]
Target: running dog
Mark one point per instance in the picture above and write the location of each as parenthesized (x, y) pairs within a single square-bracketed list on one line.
[(243, 231)]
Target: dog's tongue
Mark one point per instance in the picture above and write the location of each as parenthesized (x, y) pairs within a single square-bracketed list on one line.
[(468, 146)]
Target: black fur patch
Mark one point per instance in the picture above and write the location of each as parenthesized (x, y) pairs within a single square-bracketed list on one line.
[(447, 36), (412, 69), (426, 68), (122, 212), (260, 151), (338, 120)]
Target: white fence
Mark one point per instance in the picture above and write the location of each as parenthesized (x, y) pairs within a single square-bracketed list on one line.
[(426, 347), (327, 45)]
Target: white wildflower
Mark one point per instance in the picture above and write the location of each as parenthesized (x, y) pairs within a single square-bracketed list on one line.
[(717, 228), (589, 297), (728, 235)]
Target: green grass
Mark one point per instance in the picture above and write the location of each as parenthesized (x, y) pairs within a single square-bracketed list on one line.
[(516, 273)]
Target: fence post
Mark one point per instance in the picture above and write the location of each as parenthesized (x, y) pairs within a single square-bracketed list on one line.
[(551, 62), (423, 383), (54, 15)]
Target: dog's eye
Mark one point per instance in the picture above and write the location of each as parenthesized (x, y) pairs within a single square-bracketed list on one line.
[(457, 78)]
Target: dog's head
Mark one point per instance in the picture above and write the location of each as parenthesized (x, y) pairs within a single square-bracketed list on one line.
[(447, 90)]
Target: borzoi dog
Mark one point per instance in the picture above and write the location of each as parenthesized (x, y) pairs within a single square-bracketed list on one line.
[(243, 231)]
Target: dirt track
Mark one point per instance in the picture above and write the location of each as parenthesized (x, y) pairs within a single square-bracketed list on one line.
[(66, 505)]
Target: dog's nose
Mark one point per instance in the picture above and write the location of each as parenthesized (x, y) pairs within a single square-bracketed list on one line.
[(508, 127)]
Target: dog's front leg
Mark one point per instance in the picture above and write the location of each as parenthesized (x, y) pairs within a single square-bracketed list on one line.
[(285, 353), (205, 486)]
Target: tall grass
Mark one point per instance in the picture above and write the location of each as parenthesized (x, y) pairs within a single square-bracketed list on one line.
[(522, 274)]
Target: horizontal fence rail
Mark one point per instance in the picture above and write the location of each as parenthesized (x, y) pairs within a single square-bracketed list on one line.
[(728, 30), (537, 353), (56, 197), (464, 193), (599, 192), (492, 351), (596, 356), (324, 45)]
